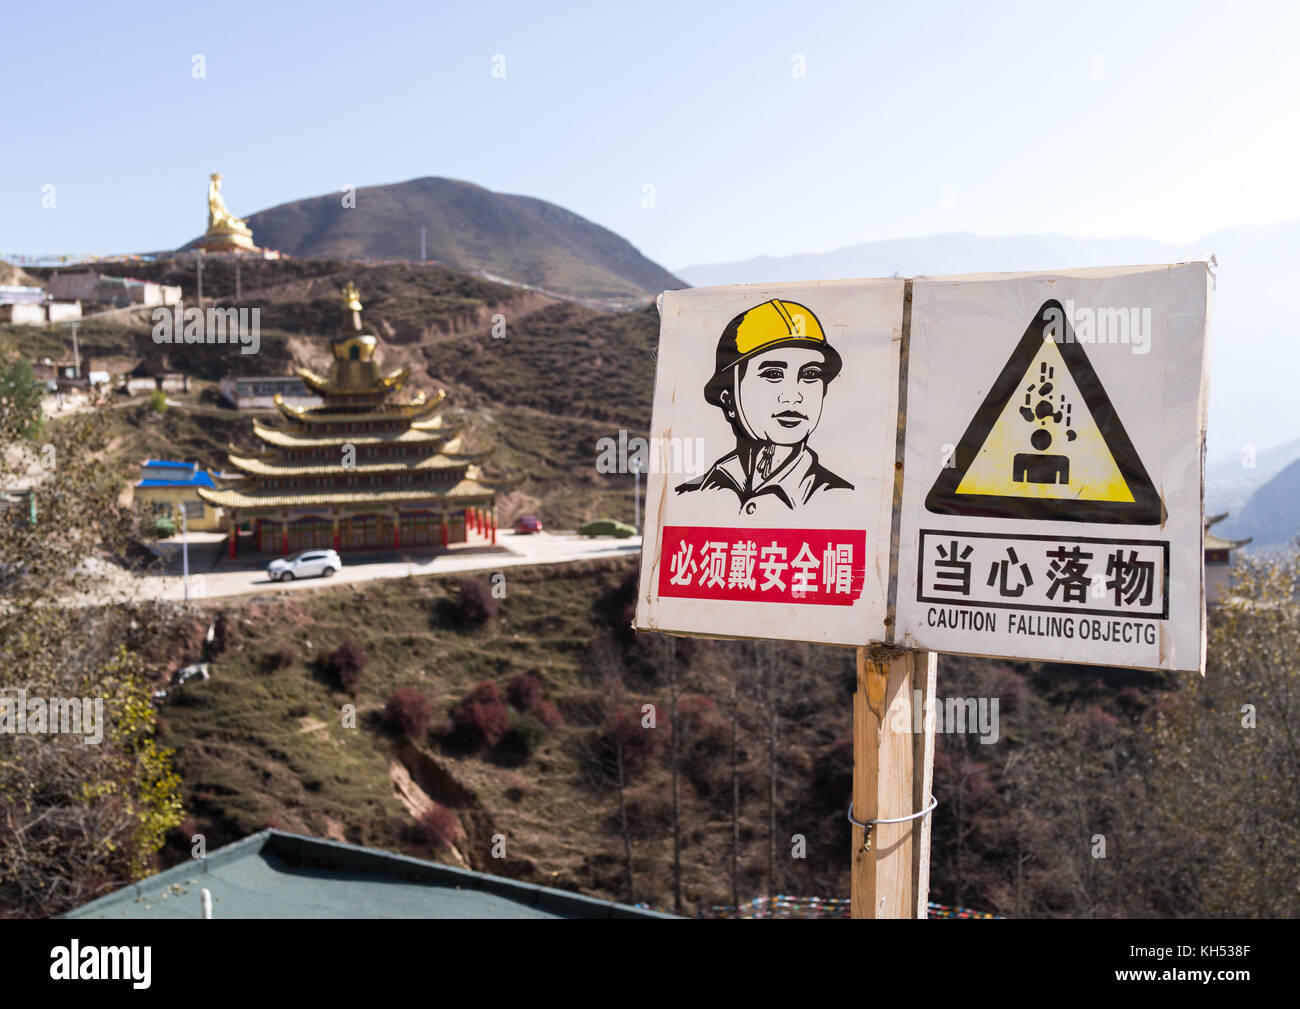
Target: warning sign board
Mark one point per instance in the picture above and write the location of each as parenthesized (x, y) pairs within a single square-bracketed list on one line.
[(771, 462), (1047, 442), (1052, 494)]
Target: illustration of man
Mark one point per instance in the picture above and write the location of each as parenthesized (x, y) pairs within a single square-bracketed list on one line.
[(772, 368)]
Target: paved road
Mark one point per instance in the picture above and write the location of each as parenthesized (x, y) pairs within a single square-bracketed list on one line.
[(212, 575)]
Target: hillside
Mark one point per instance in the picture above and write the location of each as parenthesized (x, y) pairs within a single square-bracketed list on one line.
[(563, 376), (470, 228), (1079, 750)]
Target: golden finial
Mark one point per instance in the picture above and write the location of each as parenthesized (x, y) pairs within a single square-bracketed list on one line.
[(351, 298)]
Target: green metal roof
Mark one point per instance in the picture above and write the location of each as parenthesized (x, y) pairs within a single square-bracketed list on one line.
[(278, 875)]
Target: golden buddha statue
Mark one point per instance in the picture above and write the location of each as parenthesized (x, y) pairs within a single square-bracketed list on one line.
[(226, 232)]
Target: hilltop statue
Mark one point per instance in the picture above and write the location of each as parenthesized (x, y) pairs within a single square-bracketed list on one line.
[(226, 232), (218, 215)]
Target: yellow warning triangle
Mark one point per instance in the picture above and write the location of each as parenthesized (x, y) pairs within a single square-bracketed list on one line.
[(1047, 442)]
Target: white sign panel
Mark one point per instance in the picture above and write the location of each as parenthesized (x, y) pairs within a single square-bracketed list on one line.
[(1052, 480), (771, 462)]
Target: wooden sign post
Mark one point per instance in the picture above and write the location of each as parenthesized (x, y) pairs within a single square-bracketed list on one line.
[(893, 772)]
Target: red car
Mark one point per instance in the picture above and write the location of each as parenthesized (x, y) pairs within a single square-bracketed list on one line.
[(528, 524)]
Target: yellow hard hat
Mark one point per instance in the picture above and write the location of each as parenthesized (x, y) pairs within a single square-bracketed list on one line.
[(765, 327)]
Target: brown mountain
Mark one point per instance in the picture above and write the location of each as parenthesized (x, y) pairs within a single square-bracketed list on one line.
[(470, 228)]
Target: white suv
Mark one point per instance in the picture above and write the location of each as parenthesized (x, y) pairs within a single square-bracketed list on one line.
[(305, 564)]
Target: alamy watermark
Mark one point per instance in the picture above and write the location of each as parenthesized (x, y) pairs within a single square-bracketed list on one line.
[(75, 962), (1126, 325), (678, 456), (948, 715), (240, 327), (40, 716)]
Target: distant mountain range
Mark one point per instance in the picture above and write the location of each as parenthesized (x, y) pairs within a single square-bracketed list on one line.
[(1254, 353), (1271, 518), (469, 228)]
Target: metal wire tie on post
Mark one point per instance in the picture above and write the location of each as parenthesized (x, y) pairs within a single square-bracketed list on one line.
[(867, 825)]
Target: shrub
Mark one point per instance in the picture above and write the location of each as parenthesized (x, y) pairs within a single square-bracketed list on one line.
[(475, 606), (482, 718), (439, 826), (158, 401), (162, 527), (524, 735), (282, 658), (408, 711), (640, 746), (548, 714), (346, 664), (525, 690), (526, 693)]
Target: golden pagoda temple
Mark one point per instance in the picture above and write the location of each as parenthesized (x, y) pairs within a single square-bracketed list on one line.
[(362, 471)]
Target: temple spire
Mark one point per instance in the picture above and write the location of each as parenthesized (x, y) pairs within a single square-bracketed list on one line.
[(351, 323)]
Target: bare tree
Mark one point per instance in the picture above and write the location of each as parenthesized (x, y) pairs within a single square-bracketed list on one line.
[(604, 662), (735, 788), (675, 729), (75, 819), (765, 662)]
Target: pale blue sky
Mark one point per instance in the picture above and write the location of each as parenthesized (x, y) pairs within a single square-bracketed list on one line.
[(1165, 121)]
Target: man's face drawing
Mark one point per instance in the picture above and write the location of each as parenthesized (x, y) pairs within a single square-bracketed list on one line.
[(780, 394)]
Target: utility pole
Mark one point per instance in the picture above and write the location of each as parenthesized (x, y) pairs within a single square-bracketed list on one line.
[(421, 243), (185, 555), (76, 354), (636, 513)]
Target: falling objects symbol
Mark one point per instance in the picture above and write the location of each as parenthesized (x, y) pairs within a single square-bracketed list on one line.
[(1040, 466)]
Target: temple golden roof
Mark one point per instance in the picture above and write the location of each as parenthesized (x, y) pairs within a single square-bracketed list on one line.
[(419, 407), (442, 461), (426, 433), (392, 381), (466, 490)]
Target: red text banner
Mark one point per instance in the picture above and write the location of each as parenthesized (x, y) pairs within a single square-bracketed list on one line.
[(823, 567)]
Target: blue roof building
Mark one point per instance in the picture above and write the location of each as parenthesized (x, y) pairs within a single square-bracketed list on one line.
[(165, 473), (166, 486)]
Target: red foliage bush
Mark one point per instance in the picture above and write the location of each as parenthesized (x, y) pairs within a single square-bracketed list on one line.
[(482, 718), (439, 826), (548, 714), (408, 711), (640, 746), (526, 693), (346, 664), (1100, 722)]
